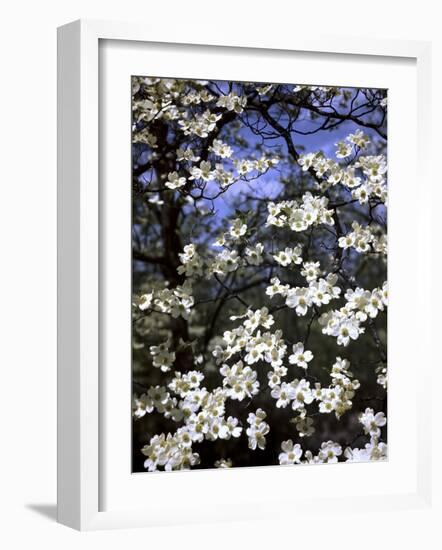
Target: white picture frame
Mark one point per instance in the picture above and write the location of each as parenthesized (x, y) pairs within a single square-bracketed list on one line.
[(79, 272)]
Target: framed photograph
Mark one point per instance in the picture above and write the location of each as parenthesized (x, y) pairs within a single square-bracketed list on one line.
[(224, 278)]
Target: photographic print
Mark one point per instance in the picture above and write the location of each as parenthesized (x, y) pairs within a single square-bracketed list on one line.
[(259, 274)]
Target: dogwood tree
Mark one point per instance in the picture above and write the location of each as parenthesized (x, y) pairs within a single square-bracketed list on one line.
[(259, 274)]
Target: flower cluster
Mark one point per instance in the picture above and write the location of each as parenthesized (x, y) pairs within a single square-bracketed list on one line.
[(374, 450), (364, 239), (345, 148), (374, 168), (173, 452), (318, 293), (192, 262), (199, 125), (159, 399), (328, 453), (288, 256), (334, 398), (196, 97), (345, 323), (299, 215), (232, 102), (203, 414), (261, 165), (342, 324), (253, 343), (240, 381), (297, 392), (177, 302), (226, 262), (365, 176), (338, 396), (162, 357)]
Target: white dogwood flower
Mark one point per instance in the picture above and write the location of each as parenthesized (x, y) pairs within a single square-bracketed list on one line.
[(372, 422), (330, 451), (300, 299), (174, 181), (221, 149), (238, 229), (254, 254), (145, 301), (284, 394), (300, 357), (344, 149), (291, 453), (310, 270)]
